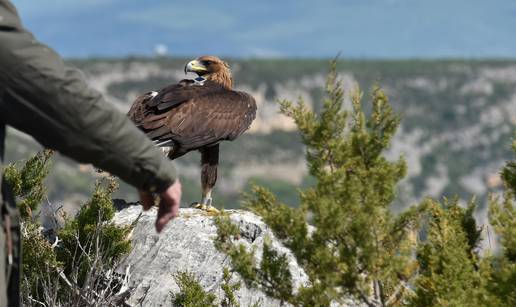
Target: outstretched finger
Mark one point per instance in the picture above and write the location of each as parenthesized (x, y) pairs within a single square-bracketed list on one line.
[(166, 212)]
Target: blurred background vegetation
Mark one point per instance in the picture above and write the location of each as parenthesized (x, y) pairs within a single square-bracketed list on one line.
[(458, 116)]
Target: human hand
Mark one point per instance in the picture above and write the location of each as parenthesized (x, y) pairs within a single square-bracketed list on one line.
[(168, 205)]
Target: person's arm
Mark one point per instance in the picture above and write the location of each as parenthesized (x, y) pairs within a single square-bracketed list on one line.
[(53, 103), (41, 96)]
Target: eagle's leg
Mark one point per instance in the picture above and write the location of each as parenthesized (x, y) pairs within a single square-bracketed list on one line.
[(209, 164)]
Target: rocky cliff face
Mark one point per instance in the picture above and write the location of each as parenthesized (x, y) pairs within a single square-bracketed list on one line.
[(186, 244)]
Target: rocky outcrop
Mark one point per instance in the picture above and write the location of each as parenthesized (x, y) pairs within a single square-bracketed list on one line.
[(186, 244)]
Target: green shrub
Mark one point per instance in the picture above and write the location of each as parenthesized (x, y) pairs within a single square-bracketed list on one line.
[(357, 247), (27, 182), (90, 232), (502, 215), (451, 273), (347, 240), (71, 269), (191, 293)]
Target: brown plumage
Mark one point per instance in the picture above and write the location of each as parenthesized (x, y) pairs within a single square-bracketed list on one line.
[(196, 115)]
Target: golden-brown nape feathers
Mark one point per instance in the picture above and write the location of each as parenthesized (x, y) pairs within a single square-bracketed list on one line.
[(218, 70)]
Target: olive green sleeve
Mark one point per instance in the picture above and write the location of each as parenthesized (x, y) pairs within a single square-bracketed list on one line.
[(41, 96)]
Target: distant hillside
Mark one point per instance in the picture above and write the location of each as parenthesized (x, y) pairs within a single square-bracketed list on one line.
[(458, 121)]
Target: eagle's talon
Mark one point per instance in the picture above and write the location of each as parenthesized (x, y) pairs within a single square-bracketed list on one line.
[(208, 208), (200, 206), (212, 210)]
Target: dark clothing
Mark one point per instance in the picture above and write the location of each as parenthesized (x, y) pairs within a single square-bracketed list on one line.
[(42, 97)]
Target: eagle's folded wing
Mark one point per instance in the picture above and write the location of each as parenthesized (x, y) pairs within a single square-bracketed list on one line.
[(212, 118), (192, 115)]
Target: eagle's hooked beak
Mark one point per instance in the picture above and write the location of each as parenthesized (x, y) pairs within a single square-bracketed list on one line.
[(196, 67)]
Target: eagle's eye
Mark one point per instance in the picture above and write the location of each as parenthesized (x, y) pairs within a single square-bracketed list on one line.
[(207, 62)]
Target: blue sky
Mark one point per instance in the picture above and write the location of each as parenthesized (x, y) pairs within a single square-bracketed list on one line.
[(301, 28)]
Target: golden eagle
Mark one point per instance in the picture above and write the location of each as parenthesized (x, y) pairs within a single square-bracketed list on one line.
[(196, 114)]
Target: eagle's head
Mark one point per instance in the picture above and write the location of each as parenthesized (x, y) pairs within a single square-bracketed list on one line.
[(211, 68)]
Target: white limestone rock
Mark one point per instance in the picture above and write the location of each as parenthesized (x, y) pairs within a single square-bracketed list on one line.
[(186, 244)]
